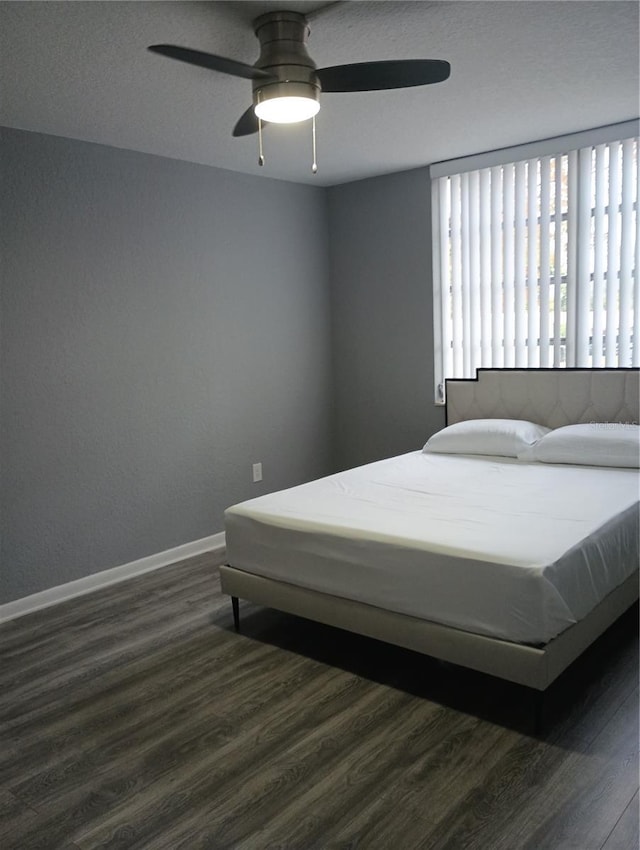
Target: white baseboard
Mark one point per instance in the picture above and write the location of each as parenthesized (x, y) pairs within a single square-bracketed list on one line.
[(52, 596)]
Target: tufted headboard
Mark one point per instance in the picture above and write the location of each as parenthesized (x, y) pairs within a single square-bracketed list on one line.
[(551, 397)]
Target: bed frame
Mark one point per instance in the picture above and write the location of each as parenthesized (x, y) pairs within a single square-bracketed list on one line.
[(552, 397)]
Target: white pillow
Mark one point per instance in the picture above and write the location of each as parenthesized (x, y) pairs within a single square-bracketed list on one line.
[(503, 437), (591, 444)]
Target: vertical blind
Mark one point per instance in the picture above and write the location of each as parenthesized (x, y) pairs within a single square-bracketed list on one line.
[(537, 263)]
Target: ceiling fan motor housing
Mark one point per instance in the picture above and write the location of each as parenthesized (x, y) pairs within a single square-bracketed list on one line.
[(283, 54)]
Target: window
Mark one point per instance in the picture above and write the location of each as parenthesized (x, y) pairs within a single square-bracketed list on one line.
[(536, 262)]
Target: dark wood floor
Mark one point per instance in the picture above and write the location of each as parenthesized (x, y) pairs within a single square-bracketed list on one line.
[(136, 718)]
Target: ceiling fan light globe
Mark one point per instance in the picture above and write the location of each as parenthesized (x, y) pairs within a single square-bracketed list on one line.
[(287, 110)]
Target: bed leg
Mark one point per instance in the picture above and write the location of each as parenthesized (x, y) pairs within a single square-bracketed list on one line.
[(538, 712), (236, 612)]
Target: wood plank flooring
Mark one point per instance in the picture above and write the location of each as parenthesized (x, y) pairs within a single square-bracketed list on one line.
[(136, 718)]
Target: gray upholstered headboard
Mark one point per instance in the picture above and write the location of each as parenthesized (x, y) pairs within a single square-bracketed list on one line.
[(551, 397)]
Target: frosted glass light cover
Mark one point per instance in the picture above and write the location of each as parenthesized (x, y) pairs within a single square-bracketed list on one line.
[(287, 110)]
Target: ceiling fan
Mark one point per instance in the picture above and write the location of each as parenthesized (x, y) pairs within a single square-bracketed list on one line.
[(285, 81)]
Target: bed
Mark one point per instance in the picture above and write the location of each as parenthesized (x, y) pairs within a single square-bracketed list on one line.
[(510, 563)]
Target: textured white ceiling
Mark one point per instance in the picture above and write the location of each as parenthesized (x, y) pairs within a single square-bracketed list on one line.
[(521, 70)]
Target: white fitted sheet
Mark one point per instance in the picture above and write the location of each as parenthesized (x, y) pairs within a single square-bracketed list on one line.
[(490, 545)]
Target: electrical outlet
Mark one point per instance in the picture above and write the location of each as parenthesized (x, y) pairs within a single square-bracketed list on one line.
[(257, 472)]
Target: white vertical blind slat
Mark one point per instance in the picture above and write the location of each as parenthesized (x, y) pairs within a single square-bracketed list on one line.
[(545, 207), (557, 264), (520, 258), (486, 250), (599, 255), (582, 287), (474, 269), (613, 259), (626, 255), (533, 320), (572, 259), (466, 276), (508, 189), (442, 191), (456, 277), (497, 289), (635, 355)]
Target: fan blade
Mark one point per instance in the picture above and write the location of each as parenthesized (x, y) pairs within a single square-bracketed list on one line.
[(211, 61), (248, 123), (388, 74)]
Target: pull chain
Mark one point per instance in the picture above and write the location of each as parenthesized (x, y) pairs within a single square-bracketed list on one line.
[(314, 164), (260, 152)]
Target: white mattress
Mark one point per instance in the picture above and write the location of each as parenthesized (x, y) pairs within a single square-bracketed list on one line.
[(494, 546)]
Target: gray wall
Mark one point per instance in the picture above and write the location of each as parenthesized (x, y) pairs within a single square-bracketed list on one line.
[(380, 259), (164, 325)]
